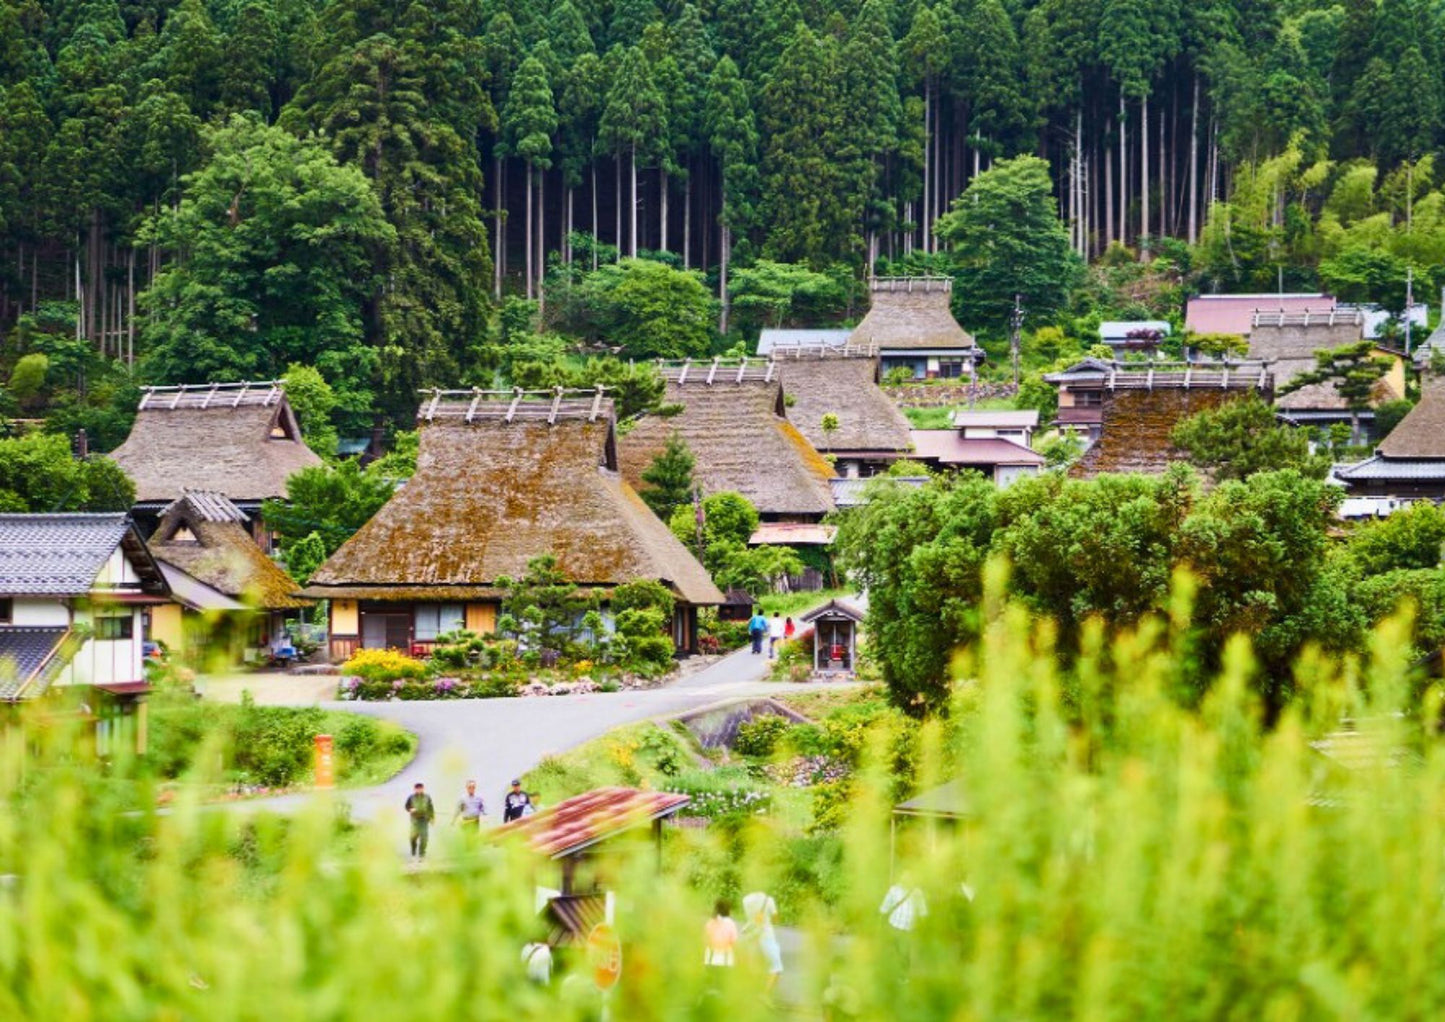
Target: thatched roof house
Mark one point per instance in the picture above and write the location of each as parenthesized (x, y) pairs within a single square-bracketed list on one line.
[(501, 479), (911, 326), (820, 381), (1289, 341), (1129, 408), (734, 419), (239, 439), (1410, 462)]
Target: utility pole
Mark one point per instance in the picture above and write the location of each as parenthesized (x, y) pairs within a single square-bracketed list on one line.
[(1016, 322), (1409, 304)]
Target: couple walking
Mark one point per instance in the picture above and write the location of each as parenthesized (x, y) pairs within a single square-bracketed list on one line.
[(470, 810), (776, 631)]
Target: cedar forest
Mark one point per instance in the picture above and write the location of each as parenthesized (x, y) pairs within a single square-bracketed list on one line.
[(220, 189)]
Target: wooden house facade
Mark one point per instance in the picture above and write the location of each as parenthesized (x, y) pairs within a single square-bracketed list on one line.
[(501, 478), (911, 326)]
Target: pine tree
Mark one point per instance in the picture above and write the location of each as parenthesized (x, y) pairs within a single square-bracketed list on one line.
[(669, 478)]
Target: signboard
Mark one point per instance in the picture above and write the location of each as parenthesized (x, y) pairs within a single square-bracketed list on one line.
[(325, 763), (604, 952)]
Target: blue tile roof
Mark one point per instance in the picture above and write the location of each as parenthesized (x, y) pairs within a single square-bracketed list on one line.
[(26, 665), (56, 555)]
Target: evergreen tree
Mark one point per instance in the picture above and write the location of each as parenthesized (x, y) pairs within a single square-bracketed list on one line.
[(733, 139), (528, 121), (669, 478), (634, 121)]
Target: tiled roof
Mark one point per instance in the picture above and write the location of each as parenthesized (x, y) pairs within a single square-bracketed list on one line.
[(29, 660), (56, 555), (853, 492), (793, 534), (584, 820), (996, 419), (1423, 469), (208, 506)]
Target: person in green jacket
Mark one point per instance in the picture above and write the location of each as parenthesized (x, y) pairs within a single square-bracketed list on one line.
[(419, 807)]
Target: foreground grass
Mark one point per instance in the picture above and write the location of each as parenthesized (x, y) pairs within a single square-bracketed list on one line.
[(1126, 857)]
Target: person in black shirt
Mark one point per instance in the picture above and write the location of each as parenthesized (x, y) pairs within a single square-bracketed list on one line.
[(514, 803), (421, 811)]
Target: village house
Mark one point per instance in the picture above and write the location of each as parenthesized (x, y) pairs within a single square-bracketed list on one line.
[(773, 339), (1289, 341), (229, 594), (237, 439), (502, 478), (997, 443), (1128, 409), (1234, 314), (911, 326), (1409, 464), (734, 419), (75, 590), (868, 432)]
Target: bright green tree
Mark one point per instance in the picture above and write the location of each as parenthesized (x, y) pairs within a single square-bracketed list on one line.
[(1240, 438), (669, 478)]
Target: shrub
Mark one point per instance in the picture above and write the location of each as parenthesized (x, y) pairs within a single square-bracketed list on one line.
[(274, 743), (358, 738), (761, 736), (384, 665)]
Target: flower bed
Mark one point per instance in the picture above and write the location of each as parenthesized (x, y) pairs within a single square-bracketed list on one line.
[(721, 804)]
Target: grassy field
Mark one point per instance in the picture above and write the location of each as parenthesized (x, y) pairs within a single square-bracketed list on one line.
[(793, 604), (941, 418)]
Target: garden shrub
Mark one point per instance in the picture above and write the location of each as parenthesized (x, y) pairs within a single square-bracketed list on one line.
[(384, 665), (274, 743), (761, 736), (358, 738)]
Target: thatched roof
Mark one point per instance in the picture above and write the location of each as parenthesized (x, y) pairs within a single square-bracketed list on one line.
[(239, 439), (205, 535), (1137, 424), (734, 421), (820, 382), (1421, 433), (911, 313), (502, 479)]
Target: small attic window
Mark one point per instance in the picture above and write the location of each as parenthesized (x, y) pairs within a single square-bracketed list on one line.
[(183, 535), (278, 432)]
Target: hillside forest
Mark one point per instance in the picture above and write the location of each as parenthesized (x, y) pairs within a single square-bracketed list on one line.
[(219, 189)]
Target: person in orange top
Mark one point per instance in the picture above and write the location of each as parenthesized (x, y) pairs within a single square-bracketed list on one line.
[(720, 935)]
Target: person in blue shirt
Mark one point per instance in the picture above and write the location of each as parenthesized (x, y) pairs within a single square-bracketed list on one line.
[(757, 628)]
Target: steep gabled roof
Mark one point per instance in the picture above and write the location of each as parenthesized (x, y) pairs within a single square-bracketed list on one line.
[(734, 421), (502, 479), (204, 535), (1421, 433), (820, 382), (911, 313), (63, 555), (239, 439)]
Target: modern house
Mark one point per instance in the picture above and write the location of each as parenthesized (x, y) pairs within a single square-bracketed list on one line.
[(75, 590), (1409, 464), (999, 459), (997, 424), (1235, 314), (1289, 341), (1128, 409), (837, 405), (1142, 336), (735, 421), (226, 588), (911, 326), (238, 439), (501, 478)]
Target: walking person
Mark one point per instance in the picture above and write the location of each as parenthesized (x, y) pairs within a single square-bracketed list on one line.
[(470, 809), (761, 912), (720, 936), (775, 635), (421, 811), (515, 803), (757, 628)]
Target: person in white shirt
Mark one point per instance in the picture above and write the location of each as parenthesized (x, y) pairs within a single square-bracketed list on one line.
[(761, 911), (775, 635)]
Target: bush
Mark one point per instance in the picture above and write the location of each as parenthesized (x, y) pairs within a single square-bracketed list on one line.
[(761, 736), (376, 665), (274, 743)]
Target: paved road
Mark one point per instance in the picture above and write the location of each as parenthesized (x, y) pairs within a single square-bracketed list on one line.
[(494, 740)]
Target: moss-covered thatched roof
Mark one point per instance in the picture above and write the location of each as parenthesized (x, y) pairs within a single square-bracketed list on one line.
[(205, 535), (820, 382), (733, 420), (501, 480), (241, 440)]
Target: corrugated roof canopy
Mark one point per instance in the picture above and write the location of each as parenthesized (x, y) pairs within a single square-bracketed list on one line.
[(582, 821)]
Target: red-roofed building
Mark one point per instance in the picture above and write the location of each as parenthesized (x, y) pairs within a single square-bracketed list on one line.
[(1234, 314), (1001, 460)]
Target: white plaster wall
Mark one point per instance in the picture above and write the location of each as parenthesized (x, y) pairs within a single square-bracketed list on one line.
[(40, 613)]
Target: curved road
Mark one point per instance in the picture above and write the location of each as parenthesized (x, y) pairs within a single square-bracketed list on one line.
[(494, 740)]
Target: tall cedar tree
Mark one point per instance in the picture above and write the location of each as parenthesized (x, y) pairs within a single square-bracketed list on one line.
[(669, 478), (733, 139)]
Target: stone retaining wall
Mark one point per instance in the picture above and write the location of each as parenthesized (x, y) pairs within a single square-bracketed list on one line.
[(946, 395)]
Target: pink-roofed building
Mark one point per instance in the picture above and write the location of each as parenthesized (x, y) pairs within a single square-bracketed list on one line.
[(1234, 314)]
